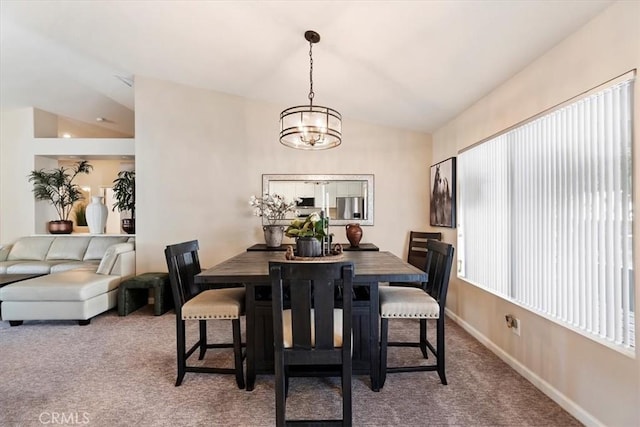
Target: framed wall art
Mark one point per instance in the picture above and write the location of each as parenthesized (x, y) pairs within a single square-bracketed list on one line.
[(442, 210)]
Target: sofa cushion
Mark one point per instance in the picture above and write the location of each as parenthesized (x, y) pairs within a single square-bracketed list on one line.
[(99, 245), (4, 265), (30, 248), (65, 286), (4, 252), (71, 248), (111, 255), (91, 265), (45, 267), (31, 267)]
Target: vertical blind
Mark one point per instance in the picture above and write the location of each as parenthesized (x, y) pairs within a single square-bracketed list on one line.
[(545, 215)]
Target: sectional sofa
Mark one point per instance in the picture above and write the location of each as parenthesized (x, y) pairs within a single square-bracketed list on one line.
[(80, 276)]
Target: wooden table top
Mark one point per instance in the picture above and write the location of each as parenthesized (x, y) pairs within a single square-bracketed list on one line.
[(370, 266)]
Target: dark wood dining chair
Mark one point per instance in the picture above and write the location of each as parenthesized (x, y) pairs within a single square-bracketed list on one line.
[(417, 253), (427, 303), (309, 326), (193, 303)]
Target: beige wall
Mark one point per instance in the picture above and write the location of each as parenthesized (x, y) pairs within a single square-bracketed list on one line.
[(49, 125), (17, 213), (200, 155), (75, 128), (598, 385)]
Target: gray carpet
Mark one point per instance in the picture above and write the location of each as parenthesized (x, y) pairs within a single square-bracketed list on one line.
[(120, 371)]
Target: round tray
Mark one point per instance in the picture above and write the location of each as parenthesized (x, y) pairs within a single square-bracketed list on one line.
[(326, 258)]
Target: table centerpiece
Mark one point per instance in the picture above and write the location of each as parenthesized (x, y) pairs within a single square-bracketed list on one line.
[(309, 233)]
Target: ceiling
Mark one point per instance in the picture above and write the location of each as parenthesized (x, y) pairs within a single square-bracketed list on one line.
[(408, 64)]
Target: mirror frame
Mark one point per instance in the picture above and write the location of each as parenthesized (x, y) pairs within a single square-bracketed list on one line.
[(266, 178)]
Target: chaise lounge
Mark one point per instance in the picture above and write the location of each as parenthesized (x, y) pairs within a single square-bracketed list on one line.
[(81, 275)]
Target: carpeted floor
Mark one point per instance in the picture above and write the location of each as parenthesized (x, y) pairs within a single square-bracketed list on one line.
[(120, 371)]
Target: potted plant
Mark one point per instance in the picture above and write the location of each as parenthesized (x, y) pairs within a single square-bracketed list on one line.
[(124, 191), (308, 233), (56, 187), (273, 207)]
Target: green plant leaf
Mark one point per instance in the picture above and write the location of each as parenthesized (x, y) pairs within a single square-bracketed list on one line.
[(56, 187)]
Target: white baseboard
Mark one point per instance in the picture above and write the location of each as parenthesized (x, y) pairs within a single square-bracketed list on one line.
[(567, 404)]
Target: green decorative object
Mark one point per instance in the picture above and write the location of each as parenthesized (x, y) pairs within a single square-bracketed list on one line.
[(309, 234), (133, 293), (81, 215), (311, 226)]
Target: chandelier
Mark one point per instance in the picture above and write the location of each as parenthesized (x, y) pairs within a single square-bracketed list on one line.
[(311, 127)]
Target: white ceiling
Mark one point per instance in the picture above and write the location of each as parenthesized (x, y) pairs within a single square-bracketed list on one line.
[(407, 64)]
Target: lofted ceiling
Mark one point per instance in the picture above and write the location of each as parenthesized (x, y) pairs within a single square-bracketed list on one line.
[(407, 64)]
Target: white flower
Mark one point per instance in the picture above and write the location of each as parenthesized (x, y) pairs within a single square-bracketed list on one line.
[(272, 206), (314, 217)]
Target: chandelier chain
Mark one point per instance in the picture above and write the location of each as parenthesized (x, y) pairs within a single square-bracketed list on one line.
[(311, 93)]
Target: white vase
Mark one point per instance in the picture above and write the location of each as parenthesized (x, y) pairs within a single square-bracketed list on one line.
[(96, 214)]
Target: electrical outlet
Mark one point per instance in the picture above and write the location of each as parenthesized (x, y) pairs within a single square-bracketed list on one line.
[(516, 326), (513, 323)]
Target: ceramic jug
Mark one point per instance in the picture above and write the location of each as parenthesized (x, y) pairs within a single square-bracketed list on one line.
[(354, 234)]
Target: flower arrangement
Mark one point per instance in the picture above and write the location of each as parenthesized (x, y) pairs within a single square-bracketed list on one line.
[(272, 206), (311, 226)]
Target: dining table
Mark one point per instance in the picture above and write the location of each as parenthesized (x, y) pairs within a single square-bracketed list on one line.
[(251, 269)]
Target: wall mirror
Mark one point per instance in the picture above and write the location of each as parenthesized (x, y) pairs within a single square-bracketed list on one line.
[(347, 198)]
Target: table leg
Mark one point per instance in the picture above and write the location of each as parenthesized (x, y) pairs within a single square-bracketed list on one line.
[(250, 303), (374, 336)]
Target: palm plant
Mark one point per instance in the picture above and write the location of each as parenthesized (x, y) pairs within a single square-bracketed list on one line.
[(56, 187), (124, 191)]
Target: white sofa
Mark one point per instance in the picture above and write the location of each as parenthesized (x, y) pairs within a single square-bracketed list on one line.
[(81, 276)]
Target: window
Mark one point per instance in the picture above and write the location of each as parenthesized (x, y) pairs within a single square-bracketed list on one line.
[(553, 197)]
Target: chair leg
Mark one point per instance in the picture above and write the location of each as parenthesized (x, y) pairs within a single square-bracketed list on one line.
[(237, 352), (280, 390), (286, 382), (423, 338), (203, 339), (384, 329), (180, 350), (346, 392), (440, 353)]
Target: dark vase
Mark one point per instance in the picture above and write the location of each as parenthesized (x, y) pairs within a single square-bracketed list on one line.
[(308, 247), (60, 227), (129, 225), (354, 234)]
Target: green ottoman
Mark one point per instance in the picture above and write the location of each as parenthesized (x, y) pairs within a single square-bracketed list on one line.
[(133, 293)]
